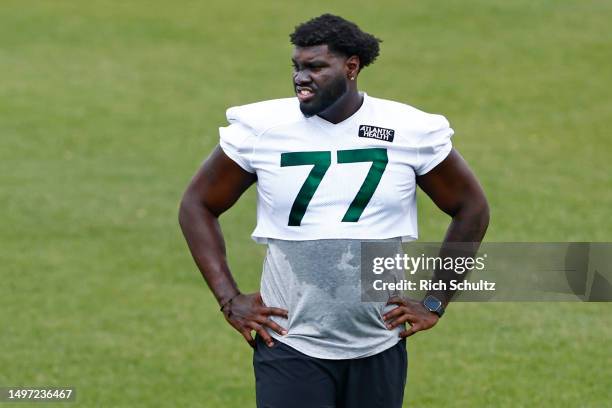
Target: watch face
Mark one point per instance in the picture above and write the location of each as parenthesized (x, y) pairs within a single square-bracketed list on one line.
[(432, 303)]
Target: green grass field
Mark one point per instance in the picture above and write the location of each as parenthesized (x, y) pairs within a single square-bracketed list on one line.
[(107, 109)]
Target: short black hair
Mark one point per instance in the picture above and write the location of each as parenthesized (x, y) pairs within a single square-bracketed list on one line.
[(340, 35)]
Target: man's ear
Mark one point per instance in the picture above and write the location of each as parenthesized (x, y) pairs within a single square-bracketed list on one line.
[(352, 67)]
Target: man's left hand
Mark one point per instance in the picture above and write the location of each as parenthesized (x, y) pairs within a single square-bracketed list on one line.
[(409, 311)]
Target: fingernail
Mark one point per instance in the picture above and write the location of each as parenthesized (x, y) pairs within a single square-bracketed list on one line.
[(270, 344), (284, 332), (388, 326)]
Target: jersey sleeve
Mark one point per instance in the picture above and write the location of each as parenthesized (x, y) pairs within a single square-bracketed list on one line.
[(237, 141), (435, 144)]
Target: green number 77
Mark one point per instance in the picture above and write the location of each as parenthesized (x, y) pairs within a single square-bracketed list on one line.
[(321, 161)]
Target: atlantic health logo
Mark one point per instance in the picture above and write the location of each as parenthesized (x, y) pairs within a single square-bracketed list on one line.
[(375, 132)]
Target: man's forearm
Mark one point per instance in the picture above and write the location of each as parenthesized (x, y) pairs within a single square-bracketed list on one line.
[(463, 237), (203, 235)]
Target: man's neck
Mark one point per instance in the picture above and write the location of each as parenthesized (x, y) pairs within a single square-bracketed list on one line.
[(343, 108)]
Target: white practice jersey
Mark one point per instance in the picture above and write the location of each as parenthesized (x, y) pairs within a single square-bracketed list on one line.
[(321, 189), (350, 180)]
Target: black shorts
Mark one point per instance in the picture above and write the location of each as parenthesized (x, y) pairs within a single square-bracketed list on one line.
[(286, 378)]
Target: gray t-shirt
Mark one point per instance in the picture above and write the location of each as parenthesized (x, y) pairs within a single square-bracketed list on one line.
[(319, 283)]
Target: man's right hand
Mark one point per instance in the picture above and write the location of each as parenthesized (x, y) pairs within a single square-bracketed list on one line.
[(216, 186), (247, 312)]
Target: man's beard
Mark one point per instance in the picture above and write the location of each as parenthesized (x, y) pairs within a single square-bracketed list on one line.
[(325, 98)]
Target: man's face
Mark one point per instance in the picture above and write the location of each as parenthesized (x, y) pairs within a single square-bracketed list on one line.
[(319, 78)]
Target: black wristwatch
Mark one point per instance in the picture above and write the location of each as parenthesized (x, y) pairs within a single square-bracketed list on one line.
[(433, 304)]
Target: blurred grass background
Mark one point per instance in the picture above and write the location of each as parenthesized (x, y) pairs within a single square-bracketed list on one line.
[(107, 108)]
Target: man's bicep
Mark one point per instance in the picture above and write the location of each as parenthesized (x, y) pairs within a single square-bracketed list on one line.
[(219, 182), (451, 184)]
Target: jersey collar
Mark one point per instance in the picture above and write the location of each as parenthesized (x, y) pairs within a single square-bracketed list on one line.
[(348, 121)]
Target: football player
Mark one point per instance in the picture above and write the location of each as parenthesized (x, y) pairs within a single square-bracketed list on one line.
[(333, 166)]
